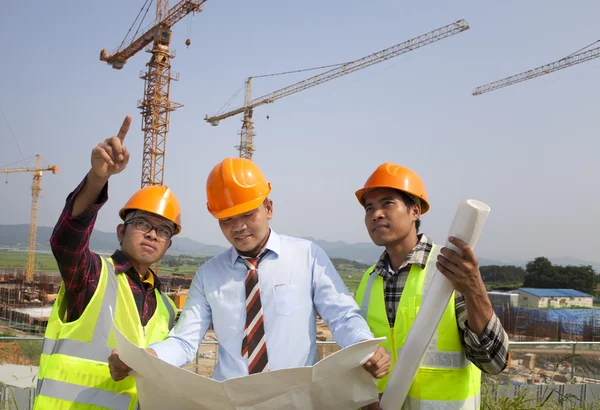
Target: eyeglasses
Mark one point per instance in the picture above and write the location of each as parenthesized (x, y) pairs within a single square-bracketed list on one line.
[(143, 226)]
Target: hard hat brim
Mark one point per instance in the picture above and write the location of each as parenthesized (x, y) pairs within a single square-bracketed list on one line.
[(123, 212), (360, 196), (239, 209)]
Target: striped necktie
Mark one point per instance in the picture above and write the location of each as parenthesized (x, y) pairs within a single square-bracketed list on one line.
[(254, 345)]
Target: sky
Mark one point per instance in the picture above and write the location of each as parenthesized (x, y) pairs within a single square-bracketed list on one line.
[(529, 151)]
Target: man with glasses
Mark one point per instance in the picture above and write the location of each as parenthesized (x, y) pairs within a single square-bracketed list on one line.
[(73, 368)]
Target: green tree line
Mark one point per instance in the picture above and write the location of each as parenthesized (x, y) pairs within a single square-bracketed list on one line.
[(541, 273)]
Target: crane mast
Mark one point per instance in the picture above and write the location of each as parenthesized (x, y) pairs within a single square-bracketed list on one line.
[(156, 106), (539, 71), (246, 147), (36, 188)]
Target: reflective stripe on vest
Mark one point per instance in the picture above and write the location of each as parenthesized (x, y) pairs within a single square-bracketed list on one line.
[(169, 306), (366, 300), (97, 349), (81, 394), (472, 403), (58, 393), (446, 379), (443, 360)]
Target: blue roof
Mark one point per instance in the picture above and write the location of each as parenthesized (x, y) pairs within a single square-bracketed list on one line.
[(554, 293)]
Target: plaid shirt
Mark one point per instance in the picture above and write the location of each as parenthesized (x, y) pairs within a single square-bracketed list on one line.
[(80, 268), (489, 352)]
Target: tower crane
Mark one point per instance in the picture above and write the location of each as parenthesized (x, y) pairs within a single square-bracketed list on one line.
[(246, 147), (156, 105), (36, 187), (568, 61)]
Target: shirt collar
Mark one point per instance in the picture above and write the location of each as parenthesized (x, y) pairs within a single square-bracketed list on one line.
[(273, 245), (417, 256), (123, 264)]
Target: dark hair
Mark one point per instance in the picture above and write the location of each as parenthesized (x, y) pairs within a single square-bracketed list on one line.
[(409, 202)]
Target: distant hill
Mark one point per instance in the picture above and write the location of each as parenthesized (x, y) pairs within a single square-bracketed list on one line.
[(16, 236), (364, 252), (189, 246)]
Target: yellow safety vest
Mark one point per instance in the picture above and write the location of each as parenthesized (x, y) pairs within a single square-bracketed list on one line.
[(73, 372), (446, 379)]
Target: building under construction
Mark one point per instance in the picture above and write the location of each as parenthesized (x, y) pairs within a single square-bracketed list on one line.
[(25, 306), (527, 324)]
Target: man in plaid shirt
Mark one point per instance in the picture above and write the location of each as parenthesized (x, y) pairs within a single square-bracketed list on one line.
[(79, 267), (394, 199), (77, 346)]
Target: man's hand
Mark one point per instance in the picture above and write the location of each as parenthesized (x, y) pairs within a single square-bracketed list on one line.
[(372, 406), (464, 274), (118, 369), (110, 156), (378, 364), (463, 271)]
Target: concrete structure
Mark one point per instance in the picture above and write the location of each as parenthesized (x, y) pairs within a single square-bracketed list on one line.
[(529, 361), (17, 386), (554, 298), (180, 298)]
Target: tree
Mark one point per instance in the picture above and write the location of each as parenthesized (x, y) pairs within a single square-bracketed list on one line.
[(582, 278), (506, 274), (541, 273)]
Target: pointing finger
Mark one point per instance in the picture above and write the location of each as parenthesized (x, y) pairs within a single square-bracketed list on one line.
[(101, 153), (125, 153), (110, 150), (117, 148), (124, 128)]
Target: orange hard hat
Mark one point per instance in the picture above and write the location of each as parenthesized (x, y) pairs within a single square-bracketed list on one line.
[(235, 186), (390, 175), (157, 199)]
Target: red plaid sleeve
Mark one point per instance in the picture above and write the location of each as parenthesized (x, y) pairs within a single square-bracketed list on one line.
[(78, 266)]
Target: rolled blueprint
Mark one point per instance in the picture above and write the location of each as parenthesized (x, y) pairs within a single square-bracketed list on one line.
[(466, 225)]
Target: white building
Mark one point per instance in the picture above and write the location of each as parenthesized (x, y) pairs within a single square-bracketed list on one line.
[(504, 298), (554, 298)]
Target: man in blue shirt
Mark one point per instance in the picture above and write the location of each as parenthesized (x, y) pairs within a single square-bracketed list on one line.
[(262, 294)]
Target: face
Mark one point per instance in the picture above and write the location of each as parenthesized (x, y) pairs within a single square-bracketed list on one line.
[(145, 247), (248, 232), (387, 218)]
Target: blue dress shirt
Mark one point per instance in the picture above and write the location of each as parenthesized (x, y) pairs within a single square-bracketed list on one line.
[(297, 280)]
